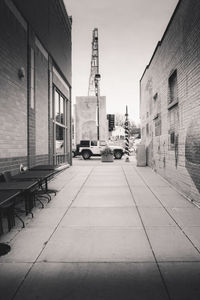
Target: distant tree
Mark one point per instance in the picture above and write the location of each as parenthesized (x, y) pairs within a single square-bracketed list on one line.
[(119, 119), (133, 128)]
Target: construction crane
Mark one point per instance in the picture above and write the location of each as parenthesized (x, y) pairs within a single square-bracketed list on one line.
[(93, 89), (94, 69)]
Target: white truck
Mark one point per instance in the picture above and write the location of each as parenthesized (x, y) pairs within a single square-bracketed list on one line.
[(88, 148)]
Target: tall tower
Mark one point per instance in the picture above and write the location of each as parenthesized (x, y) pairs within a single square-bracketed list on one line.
[(94, 69), (93, 89)]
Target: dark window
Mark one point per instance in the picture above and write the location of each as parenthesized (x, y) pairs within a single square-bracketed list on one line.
[(93, 143), (172, 138), (173, 91), (57, 106), (85, 143), (155, 97), (155, 106)]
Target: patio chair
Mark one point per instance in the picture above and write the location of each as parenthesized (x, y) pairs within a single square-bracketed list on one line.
[(7, 209), (7, 177)]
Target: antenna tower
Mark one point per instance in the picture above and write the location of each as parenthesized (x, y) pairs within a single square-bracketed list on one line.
[(94, 69)]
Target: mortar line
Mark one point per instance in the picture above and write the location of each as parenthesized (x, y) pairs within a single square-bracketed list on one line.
[(22, 282), (156, 261)]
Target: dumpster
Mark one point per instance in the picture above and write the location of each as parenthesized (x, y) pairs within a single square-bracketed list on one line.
[(141, 155)]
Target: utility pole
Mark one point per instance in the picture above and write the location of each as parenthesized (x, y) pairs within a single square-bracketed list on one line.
[(94, 89), (97, 78)]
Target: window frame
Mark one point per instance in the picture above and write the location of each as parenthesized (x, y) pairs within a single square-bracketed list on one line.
[(172, 89), (57, 122)]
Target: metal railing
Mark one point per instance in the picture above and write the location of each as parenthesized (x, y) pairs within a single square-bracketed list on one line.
[(59, 159)]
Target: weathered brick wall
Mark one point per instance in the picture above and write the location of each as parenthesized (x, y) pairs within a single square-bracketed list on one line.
[(179, 50), (13, 90)]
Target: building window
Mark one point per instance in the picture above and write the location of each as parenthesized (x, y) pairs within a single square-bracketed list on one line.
[(60, 137), (85, 143), (32, 81), (93, 143), (173, 122), (158, 125), (155, 97), (155, 106), (173, 89), (60, 126), (172, 138)]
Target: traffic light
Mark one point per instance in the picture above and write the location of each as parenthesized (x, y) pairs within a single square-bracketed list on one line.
[(111, 122)]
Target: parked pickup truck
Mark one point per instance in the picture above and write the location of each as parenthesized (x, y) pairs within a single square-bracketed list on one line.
[(88, 148)]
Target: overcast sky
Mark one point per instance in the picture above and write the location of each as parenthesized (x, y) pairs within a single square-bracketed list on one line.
[(128, 34)]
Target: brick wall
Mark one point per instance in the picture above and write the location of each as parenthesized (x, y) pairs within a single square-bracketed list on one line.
[(26, 131), (13, 90), (172, 134)]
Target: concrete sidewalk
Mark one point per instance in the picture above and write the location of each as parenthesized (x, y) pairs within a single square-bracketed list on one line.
[(114, 231)]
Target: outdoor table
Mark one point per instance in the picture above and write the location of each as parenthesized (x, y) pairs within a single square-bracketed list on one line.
[(43, 168), (22, 186), (38, 175), (6, 196)]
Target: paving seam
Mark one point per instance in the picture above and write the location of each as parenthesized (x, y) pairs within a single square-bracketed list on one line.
[(179, 226), (99, 262), (20, 285), (156, 261), (115, 262)]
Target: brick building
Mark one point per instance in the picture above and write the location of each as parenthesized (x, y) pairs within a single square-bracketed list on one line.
[(35, 83), (170, 102)]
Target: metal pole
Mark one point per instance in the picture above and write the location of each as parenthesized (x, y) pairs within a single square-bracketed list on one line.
[(97, 79), (97, 111), (126, 135)]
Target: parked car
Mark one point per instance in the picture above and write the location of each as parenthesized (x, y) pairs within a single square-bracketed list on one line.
[(88, 148)]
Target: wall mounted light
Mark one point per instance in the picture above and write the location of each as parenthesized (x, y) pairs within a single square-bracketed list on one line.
[(21, 73)]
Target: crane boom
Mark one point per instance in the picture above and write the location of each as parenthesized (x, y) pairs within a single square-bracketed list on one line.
[(94, 69)]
